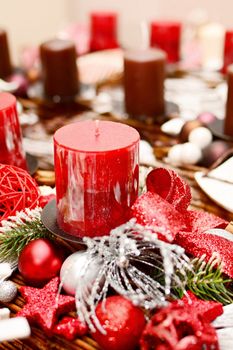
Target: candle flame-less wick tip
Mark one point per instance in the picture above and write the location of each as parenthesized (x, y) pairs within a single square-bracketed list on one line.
[(97, 128)]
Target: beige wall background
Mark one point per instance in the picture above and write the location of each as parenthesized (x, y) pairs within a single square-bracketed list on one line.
[(31, 22)]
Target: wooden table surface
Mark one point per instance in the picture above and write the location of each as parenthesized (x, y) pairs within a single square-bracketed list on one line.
[(160, 142)]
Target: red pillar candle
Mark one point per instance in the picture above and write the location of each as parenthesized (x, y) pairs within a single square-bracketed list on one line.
[(59, 68), (166, 35), (228, 123), (228, 50), (144, 74), (5, 62), (96, 167), (11, 150), (103, 31)]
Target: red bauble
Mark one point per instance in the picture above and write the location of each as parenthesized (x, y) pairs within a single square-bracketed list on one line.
[(18, 190), (123, 323), (40, 261)]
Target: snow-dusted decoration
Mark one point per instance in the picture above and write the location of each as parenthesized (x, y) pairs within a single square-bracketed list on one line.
[(136, 264)]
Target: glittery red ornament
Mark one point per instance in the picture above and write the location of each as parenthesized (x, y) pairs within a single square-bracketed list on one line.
[(151, 209), (208, 310), (123, 323), (178, 328), (197, 244), (164, 207), (200, 221), (39, 261), (70, 328), (18, 190), (169, 186), (43, 305)]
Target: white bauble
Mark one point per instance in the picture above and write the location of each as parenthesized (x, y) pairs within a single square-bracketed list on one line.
[(190, 153), (78, 271), (146, 154), (174, 155), (173, 126), (201, 136)]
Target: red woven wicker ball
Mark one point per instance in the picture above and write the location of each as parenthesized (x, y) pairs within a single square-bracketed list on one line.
[(18, 191)]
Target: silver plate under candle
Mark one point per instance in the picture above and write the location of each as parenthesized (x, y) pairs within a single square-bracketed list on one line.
[(49, 220), (217, 129), (32, 163)]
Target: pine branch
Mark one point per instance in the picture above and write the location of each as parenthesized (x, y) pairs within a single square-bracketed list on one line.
[(208, 282), (18, 231)]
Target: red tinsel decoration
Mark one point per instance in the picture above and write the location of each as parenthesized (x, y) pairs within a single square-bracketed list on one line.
[(18, 190)]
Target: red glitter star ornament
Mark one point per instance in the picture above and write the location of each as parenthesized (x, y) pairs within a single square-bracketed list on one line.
[(43, 305), (70, 328)]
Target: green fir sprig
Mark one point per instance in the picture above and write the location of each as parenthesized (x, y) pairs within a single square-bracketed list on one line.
[(207, 281), (16, 232)]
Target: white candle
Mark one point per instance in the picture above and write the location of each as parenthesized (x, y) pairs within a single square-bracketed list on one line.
[(14, 328), (211, 38)]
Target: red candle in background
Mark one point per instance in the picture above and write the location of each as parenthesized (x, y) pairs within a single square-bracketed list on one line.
[(5, 62), (96, 167), (11, 150), (144, 74), (103, 31), (59, 68), (166, 36), (228, 50)]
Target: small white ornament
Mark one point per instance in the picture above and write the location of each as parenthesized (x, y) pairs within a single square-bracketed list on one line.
[(174, 155), (5, 271), (73, 271), (173, 127), (8, 291), (4, 313), (146, 154), (201, 136), (190, 153)]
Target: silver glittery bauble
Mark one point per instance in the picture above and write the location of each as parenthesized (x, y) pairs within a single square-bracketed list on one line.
[(74, 272), (8, 291)]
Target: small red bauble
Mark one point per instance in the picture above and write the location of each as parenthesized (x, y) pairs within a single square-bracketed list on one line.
[(18, 190), (40, 261), (123, 323)]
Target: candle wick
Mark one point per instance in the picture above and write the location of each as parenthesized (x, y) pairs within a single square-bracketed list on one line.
[(97, 128)]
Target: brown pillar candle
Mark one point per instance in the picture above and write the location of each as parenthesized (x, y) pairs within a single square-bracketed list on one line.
[(228, 124), (5, 62), (59, 68), (144, 74)]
